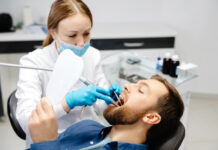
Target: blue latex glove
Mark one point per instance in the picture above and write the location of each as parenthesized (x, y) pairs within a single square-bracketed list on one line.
[(87, 96), (118, 89)]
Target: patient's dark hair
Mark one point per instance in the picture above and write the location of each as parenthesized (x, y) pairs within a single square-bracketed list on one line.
[(170, 107)]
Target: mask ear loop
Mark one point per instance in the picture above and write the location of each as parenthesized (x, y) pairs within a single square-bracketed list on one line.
[(58, 44)]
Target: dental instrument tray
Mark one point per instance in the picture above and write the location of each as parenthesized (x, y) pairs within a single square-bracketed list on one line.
[(134, 78), (128, 67)]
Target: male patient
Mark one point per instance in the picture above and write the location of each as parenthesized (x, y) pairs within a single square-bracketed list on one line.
[(150, 109)]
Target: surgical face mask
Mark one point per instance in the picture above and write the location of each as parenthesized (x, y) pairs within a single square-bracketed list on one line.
[(78, 50)]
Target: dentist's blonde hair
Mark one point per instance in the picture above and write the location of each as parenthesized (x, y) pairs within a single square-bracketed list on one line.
[(62, 9)]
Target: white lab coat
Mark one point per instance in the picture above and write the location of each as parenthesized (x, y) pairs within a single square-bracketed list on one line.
[(32, 85)]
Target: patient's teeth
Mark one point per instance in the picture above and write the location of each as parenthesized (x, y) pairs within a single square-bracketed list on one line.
[(119, 103)]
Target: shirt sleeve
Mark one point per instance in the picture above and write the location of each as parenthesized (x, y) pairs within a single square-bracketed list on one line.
[(51, 145), (28, 93)]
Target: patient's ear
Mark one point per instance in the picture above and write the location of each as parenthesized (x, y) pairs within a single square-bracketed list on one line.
[(151, 118)]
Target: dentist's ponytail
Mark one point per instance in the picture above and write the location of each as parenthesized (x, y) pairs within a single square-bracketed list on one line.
[(48, 40)]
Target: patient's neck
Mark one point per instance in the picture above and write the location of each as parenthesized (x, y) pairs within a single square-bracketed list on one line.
[(135, 133)]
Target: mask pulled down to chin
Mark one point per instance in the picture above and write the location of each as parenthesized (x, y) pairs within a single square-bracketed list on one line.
[(78, 50)]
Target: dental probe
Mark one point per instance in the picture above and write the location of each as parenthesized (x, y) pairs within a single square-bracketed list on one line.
[(82, 79), (87, 82), (116, 94), (117, 97)]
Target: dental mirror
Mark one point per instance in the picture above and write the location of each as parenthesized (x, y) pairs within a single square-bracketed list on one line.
[(66, 73)]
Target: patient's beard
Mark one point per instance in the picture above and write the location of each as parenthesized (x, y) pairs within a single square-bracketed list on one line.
[(122, 115)]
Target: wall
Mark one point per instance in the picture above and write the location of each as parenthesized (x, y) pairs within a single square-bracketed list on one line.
[(197, 24), (195, 20), (125, 11), (40, 9), (103, 10)]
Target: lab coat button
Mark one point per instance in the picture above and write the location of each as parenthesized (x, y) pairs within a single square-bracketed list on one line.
[(91, 142)]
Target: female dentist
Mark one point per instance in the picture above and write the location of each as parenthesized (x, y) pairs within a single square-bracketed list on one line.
[(69, 27)]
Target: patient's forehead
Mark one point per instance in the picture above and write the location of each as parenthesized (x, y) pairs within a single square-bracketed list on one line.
[(156, 87)]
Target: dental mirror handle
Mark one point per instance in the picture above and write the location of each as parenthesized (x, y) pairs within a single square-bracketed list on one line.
[(87, 82)]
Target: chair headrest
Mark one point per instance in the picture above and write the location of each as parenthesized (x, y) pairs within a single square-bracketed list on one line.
[(171, 141)]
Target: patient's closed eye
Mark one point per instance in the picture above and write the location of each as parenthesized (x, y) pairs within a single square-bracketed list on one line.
[(141, 90)]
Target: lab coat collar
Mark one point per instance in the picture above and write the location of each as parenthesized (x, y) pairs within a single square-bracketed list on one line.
[(53, 51)]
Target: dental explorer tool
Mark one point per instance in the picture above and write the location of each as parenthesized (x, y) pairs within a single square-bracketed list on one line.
[(116, 94), (117, 97), (87, 82)]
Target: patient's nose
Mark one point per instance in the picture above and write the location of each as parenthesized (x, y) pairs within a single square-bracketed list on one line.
[(129, 87), (126, 88)]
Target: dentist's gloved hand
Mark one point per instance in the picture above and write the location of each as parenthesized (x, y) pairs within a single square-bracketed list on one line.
[(87, 96), (115, 87)]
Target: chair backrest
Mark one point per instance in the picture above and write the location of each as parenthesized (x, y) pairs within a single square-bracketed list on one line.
[(172, 141), (11, 107)]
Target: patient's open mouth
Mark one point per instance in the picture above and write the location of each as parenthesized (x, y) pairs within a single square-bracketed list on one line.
[(121, 102)]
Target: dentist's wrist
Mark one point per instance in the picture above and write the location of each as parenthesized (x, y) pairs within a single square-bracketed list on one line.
[(69, 102), (65, 106)]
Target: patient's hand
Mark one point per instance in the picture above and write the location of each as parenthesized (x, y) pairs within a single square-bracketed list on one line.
[(43, 124)]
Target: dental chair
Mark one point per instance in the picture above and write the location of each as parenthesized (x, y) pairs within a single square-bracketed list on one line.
[(172, 141), (169, 142), (11, 108)]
